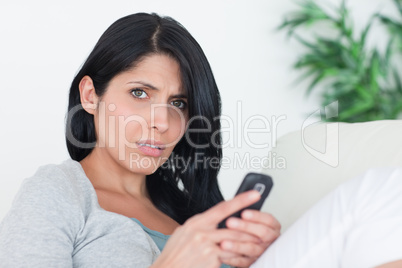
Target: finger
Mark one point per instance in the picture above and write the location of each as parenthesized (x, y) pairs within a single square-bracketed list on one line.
[(261, 217), (224, 209), (220, 235), (224, 254), (264, 232), (239, 261), (246, 249)]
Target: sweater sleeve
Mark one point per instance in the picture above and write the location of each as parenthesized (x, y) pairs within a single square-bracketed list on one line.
[(40, 228)]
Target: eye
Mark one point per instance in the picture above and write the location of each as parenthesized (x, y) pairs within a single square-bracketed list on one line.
[(179, 104), (139, 93)]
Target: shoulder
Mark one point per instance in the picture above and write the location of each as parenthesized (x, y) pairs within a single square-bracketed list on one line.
[(56, 188), (67, 178), (56, 196), (47, 214), (67, 173)]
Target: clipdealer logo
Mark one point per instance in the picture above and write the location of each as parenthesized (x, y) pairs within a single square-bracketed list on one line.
[(330, 153)]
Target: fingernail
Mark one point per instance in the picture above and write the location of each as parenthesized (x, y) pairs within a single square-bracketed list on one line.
[(254, 195), (247, 214)]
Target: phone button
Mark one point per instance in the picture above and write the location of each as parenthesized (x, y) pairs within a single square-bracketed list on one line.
[(259, 187)]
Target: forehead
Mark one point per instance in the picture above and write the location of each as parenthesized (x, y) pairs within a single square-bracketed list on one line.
[(158, 70)]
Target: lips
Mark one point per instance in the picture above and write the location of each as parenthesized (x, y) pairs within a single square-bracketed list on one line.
[(151, 148)]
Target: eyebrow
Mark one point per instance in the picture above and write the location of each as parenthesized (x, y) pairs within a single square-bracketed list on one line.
[(155, 88)]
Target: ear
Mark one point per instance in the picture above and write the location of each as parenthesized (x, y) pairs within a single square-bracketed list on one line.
[(89, 99)]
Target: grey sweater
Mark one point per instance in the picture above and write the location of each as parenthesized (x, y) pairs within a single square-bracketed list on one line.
[(56, 221)]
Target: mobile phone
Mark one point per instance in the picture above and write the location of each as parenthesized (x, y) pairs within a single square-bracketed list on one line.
[(252, 181)]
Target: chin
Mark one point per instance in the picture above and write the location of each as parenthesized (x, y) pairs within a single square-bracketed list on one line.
[(142, 168), (145, 165), (149, 172)]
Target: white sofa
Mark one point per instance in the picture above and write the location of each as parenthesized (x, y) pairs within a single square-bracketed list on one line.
[(321, 156)]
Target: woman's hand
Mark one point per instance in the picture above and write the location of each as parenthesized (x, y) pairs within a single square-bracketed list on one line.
[(258, 224), (198, 242)]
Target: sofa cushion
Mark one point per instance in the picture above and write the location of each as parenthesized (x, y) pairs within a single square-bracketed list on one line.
[(319, 157)]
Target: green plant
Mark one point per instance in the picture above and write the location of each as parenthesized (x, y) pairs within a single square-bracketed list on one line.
[(394, 26), (363, 80)]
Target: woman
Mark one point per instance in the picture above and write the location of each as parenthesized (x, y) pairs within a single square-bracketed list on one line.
[(138, 111), (142, 113)]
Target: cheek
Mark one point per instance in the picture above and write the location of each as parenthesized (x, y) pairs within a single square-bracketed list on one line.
[(117, 126), (133, 128), (131, 124)]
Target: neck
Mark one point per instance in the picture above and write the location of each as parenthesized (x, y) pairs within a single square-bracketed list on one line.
[(105, 173)]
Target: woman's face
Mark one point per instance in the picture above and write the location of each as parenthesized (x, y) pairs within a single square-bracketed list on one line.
[(142, 115)]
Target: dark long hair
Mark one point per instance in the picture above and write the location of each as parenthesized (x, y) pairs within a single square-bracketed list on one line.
[(180, 191)]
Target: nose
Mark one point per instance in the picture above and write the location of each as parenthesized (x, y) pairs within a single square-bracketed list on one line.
[(160, 117)]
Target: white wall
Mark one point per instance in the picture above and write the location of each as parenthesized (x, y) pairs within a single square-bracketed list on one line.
[(43, 43)]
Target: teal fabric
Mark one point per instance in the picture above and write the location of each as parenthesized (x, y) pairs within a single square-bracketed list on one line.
[(161, 239)]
